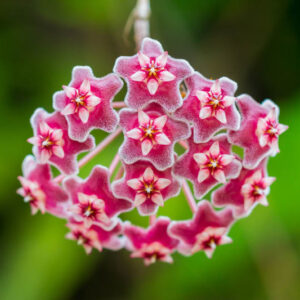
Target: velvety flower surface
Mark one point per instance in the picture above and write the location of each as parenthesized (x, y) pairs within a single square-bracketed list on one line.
[(209, 106), (86, 102), (151, 244), (147, 187), (39, 189), (259, 130), (52, 143), (245, 192), (150, 134), (207, 164), (95, 236), (207, 230), (93, 201), (152, 74)]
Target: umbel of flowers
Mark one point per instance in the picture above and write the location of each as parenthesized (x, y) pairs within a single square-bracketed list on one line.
[(206, 120)]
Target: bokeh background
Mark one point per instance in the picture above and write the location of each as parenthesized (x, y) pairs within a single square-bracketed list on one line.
[(256, 43)]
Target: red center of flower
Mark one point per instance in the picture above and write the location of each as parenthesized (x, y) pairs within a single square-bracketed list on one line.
[(79, 100), (211, 243), (149, 131), (213, 164), (152, 69)]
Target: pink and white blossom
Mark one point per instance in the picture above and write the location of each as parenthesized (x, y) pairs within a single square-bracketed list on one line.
[(208, 164), (95, 237), (39, 189), (93, 201), (209, 106), (246, 191), (153, 75), (259, 130), (207, 230), (146, 186), (150, 134), (152, 244), (51, 143), (87, 103)]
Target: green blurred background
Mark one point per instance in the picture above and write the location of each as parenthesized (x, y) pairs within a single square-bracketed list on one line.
[(256, 43)]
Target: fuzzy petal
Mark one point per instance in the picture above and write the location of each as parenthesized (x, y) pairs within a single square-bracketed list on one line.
[(158, 199), (152, 86), (85, 86), (134, 134), (134, 183), (70, 91), (69, 109), (162, 139), (144, 60), (143, 118), (146, 147), (166, 76), (160, 122), (220, 176), (203, 174), (221, 116), (162, 59), (205, 112), (139, 199), (148, 174), (58, 151), (83, 115), (138, 76), (162, 183)]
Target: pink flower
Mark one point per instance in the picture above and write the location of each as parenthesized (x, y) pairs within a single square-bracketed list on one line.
[(151, 244), (245, 192), (150, 135), (95, 237), (259, 130), (208, 164), (52, 143), (86, 103), (146, 186), (93, 201), (39, 189), (153, 75), (209, 106), (205, 231)]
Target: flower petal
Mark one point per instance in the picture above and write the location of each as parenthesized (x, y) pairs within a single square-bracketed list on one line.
[(160, 122), (134, 133), (139, 199), (158, 199), (148, 174), (220, 176), (162, 139), (216, 87), (228, 101), (152, 86), (138, 76), (45, 155), (69, 109), (205, 112), (83, 115), (200, 158), (143, 118), (85, 87), (144, 60), (202, 175), (146, 147), (166, 76), (162, 183), (226, 159), (134, 183), (162, 59), (44, 128), (221, 116), (69, 91), (202, 96), (214, 149), (34, 140), (58, 151), (282, 128), (57, 134), (93, 101)]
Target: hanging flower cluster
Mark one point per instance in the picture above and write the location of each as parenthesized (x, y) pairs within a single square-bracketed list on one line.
[(207, 120)]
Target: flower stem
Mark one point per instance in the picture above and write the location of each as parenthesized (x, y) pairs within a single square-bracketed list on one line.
[(152, 219), (113, 164), (93, 153), (189, 196), (118, 104)]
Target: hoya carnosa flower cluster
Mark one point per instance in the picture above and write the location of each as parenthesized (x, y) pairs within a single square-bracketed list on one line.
[(207, 120)]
